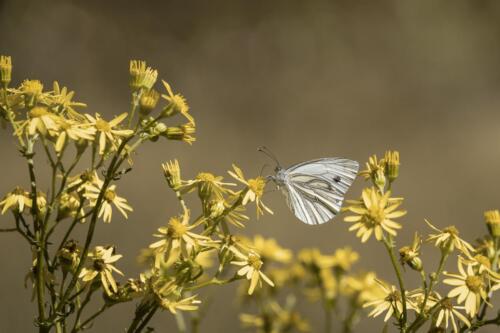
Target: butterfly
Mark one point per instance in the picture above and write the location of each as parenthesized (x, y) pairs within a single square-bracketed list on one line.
[(315, 190)]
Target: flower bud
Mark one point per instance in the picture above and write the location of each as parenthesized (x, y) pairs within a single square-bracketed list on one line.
[(5, 70), (492, 218), (216, 208), (69, 256), (392, 165), (148, 101), (380, 180), (31, 89), (181, 133), (172, 173), (410, 257)]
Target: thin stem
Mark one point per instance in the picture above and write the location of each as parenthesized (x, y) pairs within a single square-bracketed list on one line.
[(8, 229), (181, 324), (389, 247), (91, 318), (146, 320), (80, 310)]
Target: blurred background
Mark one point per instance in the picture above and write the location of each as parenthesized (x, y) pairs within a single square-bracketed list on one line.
[(308, 79)]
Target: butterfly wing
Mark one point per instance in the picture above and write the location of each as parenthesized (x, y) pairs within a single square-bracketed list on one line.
[(315, 189)]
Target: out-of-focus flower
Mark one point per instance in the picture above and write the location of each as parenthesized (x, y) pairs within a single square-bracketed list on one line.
[(254, 190), (182, 304), (102, 259), (109, 133), (251, 265), (269, 249), (374, 214), (32, 91), (16, 200), (364, 287), (344, 258), (447, 239)]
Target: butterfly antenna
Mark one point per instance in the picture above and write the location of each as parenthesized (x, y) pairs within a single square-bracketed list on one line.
[(269, 153), (263, 168)]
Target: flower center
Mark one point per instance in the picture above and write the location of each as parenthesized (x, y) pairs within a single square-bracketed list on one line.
[(447, 304), (110, 195), (99, 265), (257, 186), (102, 125), (376, 214), (474, 283), (452, 230), (38, 112), (175, 228), (254, 261), (206, 177)]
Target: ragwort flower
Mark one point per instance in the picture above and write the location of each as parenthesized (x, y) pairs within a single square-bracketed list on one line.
[(109, 131), (177, 104), (102, 259), (251, 268), (254, 190), (448, 239), (110, 197), (374, 214), (16, 200), (390, 302)]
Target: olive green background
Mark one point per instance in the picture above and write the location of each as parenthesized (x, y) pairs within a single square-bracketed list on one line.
[(306, 78)]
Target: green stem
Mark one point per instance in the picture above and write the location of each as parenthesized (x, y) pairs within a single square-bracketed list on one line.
[(389, 247), (91, 318)]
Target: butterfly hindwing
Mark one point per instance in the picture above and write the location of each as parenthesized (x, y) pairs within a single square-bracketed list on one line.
[(316, 188)]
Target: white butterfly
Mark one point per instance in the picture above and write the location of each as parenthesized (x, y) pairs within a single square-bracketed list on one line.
[(315, 189)]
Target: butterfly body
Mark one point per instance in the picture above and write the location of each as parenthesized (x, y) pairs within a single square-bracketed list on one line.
[(315, 189)]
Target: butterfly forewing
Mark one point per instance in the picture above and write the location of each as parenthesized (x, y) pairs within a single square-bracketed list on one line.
[(316, 188)]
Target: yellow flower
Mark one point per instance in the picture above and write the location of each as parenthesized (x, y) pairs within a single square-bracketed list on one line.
[(16, 200), (110, 197), (32, 91), (468, 287), (254, 190), (390, 302), (269, 249), (42, 121), (374, 214), (5, 70), (73, 130), (172, 173), (447, 239), (447, 312), (209, 185), (251, 268), (344, 258), (363, 287), (315, 260), (174, 235), (177, 104), (185, 304), (63, 104), (102, 259), (141, 76), (109, 131)]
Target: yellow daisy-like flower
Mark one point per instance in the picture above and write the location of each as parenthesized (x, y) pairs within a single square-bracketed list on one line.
[(374, 214), (183, 304), (251, 265), (177, 104), (269, 249), (469, 287), (110, 198), (447, 312), (390, 302), (62, 102), (32, 91), (313, 258), (364, 286), (102, 259), (254, 190), (373, 166), (447, 239), (174, 235), (16, 200), (41, 120), (344, 258), (209, 185), (73, 130), (109, 133)]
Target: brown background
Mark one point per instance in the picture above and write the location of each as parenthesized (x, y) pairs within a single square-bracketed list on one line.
[(306, 78)]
